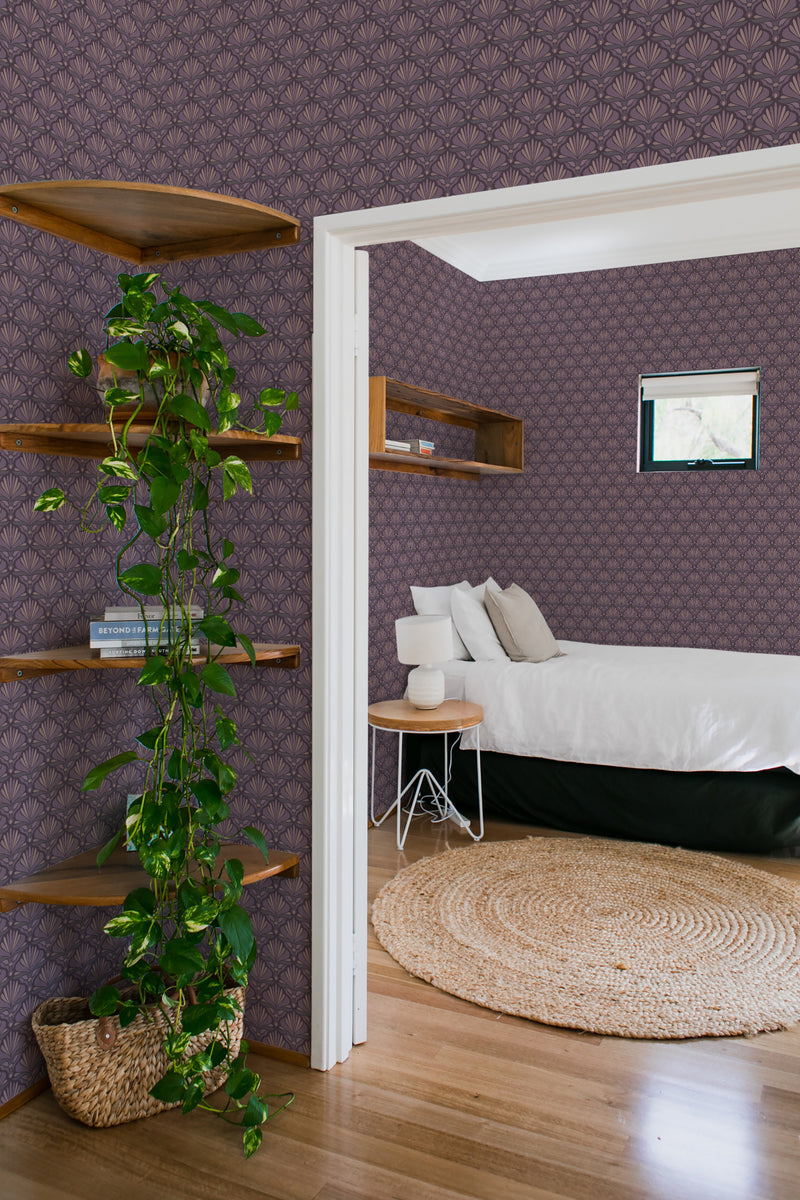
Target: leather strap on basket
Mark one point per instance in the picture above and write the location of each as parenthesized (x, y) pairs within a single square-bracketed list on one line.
[(105, 1033)]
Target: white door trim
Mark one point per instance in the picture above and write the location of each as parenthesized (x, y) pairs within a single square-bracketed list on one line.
[(340, 509), (336, 641), (361, 636)]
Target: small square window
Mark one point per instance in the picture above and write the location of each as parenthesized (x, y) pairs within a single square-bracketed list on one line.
[(700, 421)]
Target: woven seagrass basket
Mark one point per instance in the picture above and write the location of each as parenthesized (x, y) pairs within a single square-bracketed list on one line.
[(100, 1073)]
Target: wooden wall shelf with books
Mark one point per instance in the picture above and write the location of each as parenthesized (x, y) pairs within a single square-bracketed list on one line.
[(79, 880), (35, 663), (93, 441), (498, 436), (144, 224)]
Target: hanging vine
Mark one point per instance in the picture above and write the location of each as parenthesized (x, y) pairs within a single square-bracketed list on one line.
[(190, 941)]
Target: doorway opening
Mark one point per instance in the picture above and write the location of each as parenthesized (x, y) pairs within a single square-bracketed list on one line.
[(732, 204)]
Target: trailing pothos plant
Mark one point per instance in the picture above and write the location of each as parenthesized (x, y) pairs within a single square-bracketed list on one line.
[(190, 940)]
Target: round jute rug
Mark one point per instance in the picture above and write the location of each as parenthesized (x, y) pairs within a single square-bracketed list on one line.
[(613, 937)]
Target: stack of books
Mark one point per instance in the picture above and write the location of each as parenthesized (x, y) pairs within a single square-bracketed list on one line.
[(415, 446), (123, 632)]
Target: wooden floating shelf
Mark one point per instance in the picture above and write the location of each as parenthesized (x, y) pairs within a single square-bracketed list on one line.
[(146, 223), (498, 436), (428, 464), (35, 663), (79, 880), (94, 441)]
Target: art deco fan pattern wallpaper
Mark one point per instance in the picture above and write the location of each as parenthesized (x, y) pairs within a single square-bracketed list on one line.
[(695, 559), (327, 106)]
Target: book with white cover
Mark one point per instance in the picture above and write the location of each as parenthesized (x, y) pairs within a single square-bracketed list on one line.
[(152, 612), (139, 650), (415, 446)]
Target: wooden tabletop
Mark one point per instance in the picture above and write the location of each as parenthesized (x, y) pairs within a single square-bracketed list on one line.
[(404, 717)]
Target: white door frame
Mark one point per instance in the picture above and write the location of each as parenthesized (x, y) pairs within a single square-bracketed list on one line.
[(340, 538)]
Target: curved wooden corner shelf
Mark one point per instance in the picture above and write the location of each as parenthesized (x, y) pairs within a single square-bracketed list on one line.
[(79, 880), (35, 663), (146, 223), (93, 441)]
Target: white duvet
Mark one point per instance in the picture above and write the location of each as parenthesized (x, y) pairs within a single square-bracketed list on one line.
[(640, 706)]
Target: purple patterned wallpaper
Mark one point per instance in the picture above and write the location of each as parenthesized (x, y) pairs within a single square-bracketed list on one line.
[(314, 108), (427, 329), (699, 559)]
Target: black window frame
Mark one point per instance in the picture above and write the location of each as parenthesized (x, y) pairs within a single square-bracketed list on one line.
[(646, 462)]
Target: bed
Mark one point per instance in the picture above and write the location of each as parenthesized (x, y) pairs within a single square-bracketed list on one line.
[(691, 747)]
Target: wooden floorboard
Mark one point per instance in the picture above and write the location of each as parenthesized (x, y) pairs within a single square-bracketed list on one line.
[(449, 1101)]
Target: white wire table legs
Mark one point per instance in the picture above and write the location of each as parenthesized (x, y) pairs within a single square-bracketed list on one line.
[(424, 787), (480, 782), (379, 820)]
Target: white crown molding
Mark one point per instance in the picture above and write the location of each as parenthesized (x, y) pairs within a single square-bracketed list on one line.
[(745, 224), (668, 210)]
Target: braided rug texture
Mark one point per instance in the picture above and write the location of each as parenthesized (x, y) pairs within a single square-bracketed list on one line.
[(632, 939)]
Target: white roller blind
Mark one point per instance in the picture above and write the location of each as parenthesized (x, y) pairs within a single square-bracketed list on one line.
[(718, 383)]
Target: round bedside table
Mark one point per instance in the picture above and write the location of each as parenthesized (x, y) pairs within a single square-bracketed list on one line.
[(400, 716)]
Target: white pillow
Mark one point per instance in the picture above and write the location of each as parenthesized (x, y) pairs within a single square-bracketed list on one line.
[(435, 602), (472, 622)]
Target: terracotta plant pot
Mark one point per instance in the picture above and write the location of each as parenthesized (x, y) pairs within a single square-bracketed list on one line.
[(109, 376)]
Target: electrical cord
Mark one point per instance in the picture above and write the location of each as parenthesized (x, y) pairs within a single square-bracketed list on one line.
[(434, 806)]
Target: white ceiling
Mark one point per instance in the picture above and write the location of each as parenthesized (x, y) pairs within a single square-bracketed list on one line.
[(756, 210)]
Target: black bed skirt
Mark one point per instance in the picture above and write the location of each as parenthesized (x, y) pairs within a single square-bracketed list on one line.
[(750, 812)]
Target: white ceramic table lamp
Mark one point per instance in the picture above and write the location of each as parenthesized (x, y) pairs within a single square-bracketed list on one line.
[(422, 642)]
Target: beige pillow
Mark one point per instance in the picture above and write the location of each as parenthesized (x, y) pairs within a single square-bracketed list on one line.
[(518, 623)]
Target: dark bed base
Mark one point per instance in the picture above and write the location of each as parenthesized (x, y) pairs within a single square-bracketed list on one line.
[(753, 813)]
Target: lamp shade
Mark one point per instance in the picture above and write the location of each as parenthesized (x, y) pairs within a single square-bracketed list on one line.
[(424, 639)]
